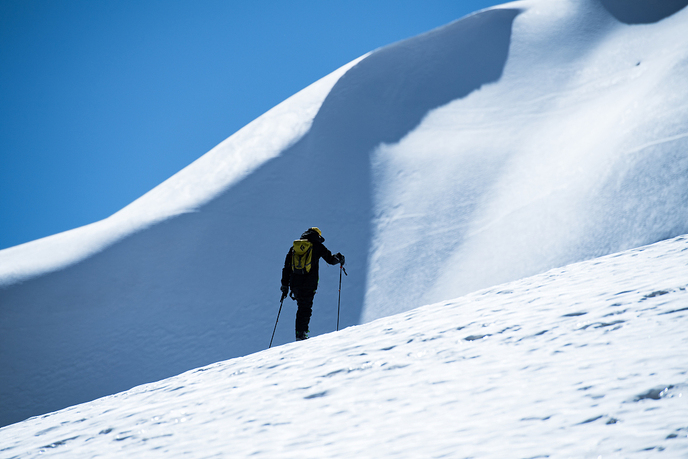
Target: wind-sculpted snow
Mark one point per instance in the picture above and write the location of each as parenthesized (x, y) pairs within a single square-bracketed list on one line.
[(582, 361), (580, 150), (512, 141), (153, 290), (203, 284)]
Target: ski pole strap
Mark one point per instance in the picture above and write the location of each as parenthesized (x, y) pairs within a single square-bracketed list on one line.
[(342, 266)]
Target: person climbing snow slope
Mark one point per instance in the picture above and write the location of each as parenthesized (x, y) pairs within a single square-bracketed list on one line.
[(300, 273)]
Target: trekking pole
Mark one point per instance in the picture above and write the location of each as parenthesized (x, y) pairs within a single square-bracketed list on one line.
[(339, 299), (278, 314)]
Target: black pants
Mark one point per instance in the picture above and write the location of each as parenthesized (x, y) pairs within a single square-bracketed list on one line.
[(304, 300)]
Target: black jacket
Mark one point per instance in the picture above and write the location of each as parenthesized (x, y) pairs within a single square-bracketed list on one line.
[(309, 281)]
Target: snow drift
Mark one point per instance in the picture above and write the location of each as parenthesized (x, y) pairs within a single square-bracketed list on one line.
[(512, 141)]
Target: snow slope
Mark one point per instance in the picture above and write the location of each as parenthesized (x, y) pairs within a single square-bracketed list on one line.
[(512, 141), (583, 361), (580, 150)]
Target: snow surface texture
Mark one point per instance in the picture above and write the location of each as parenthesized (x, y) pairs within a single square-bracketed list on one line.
[(583, 361), (580, 150), (510, 142)]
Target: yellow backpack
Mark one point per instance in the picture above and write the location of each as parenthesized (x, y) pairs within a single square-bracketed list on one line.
[(302, 257)]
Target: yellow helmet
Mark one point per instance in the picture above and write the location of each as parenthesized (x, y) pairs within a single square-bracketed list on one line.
[(313, 230)]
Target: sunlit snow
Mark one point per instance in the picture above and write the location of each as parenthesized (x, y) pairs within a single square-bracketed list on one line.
[(518, 139), (584, 361), (555, 163)]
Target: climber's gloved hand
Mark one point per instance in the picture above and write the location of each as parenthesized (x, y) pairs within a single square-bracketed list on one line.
[(340, 258)]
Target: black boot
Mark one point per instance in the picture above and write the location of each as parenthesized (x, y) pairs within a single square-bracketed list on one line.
[(301, 336)]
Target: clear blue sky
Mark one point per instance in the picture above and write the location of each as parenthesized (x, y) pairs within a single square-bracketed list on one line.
[(100, 101)]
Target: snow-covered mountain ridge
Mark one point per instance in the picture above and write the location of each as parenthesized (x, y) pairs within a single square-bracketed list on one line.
[(515, 140), (584, 361)]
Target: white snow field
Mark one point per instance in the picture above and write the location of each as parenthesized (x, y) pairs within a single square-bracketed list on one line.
[(515, 140), (585, 361)]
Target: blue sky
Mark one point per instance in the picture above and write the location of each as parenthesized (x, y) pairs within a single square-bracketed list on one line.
[(100, 101)]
